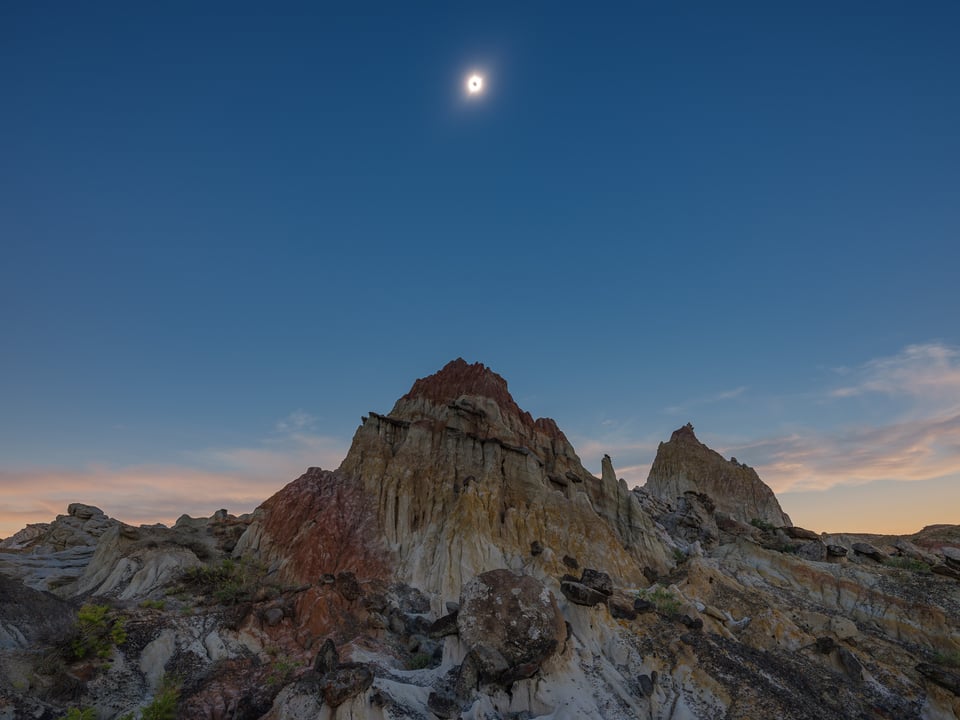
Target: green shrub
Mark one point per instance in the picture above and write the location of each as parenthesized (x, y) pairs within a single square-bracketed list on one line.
[(950, 658), (164, 703), (78, 714), (154, 604), (419, 661), (281, 671), (905, 563), (762, 525), (98, 630), (665, 601), (229, 583)]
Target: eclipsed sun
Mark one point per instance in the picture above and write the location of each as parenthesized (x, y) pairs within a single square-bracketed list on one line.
[(475, 84)]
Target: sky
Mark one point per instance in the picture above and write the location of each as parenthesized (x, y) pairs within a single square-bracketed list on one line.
[(228, 230)]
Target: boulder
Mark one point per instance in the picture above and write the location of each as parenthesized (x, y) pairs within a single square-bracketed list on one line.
[(347, 681), (327, 659), (837, 551), (446, 625), (799, 533), (580, 594), (868, 550), (596, 580), (514, 616)]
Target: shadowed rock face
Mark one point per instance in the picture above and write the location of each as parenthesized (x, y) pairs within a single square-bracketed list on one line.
[(685, 464)]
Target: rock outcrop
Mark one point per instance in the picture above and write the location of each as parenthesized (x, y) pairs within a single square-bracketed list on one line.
[(464, 481), (431, 576), (684, 464)]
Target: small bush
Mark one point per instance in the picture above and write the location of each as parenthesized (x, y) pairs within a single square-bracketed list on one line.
[(229, 583), (78, 714), (419, 661), (98, 631), (905, 563), (664, 600), (679, 556), (763, 525), (281, 671), (950, 659)]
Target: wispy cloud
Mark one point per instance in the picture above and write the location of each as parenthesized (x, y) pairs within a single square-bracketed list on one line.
[(297, 421), (927, 374), (706, 400), (196, 483), (921, 441)]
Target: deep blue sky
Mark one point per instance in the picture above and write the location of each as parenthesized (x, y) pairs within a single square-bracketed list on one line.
[(214, 215)]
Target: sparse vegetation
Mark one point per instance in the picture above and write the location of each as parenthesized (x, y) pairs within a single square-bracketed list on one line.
[(98, 631), (164, 703), (905, 563), (762, 525), (950, 658), (665, 601), (229, 583), (78, 714), (282, 671), (154, 604), (419, 661), (679, 556)]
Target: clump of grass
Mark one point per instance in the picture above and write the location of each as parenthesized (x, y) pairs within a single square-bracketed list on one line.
[(78, 714), (905, 563), (154, 604), (229, 583), (281, 671), (419, 661), (98, 631), (679, 556), (665, 601), (164, 703), (949, 658)]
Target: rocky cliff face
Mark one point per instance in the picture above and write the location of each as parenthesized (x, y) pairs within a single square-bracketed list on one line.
[(684, 464), (464, 481), (461, 563)]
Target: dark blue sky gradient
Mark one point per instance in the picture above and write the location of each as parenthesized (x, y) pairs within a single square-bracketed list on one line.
[(213, 214)]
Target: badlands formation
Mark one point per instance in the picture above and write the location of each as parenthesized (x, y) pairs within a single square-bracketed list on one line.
[(462, 563)]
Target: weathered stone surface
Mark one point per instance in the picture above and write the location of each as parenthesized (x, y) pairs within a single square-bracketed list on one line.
[(443, 706), (347, 681), (800, 533), (446, 625), (597, 580), (622, 612), (868, 550), (580, 594), (942, 677), (836, 550), (851, 666), (684, 464), (459, 476), (327, 659), (513, 615)]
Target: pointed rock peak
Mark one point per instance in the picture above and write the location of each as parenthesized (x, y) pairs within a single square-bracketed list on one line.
[(684, 434), (686, 464), (457, 378)]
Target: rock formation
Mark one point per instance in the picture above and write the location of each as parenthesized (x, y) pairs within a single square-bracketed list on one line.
[(462, 563), (685, 464)]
